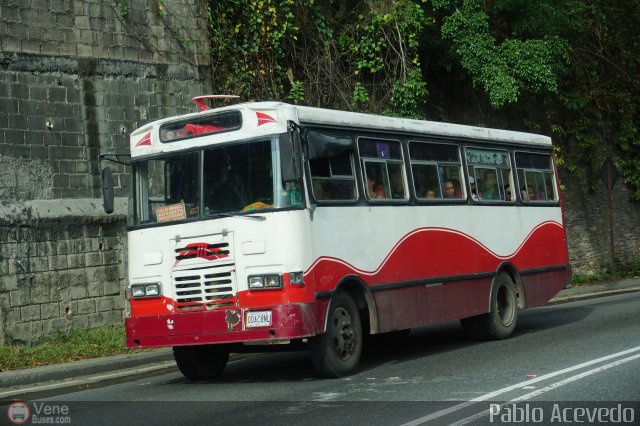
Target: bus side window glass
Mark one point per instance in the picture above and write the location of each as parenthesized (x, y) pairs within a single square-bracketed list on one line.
[(534, 181), (536, 177), (451, 176), (319, 169), (383, 169), (489, 184), (376, 179), (396, 179), (332, 178), (492, 173), (549, 187), (436, 167), (425, 180)]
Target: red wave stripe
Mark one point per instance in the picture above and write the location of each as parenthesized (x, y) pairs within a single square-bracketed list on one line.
[(435, 252)]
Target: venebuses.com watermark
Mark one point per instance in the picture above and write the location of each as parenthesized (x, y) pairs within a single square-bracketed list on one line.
[(562, 413), (20, 413)]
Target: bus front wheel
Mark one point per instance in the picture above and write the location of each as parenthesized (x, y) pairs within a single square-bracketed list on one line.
[(201, 363), (336, 352), (500, 322)]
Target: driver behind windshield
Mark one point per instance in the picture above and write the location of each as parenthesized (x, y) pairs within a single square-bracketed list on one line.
[(223, 187)]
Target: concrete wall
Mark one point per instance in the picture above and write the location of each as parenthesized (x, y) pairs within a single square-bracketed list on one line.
[(76, 77)]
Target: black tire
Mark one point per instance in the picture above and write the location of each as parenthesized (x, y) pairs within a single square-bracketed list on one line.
[(201, 363), (336, 352), (501, 320)]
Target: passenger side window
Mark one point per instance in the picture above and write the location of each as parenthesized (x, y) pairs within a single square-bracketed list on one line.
[(383, 169), (490, 174), (332, 178), (436, 169), (535, 177)]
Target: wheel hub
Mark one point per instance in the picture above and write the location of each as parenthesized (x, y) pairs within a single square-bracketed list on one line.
[(343, 334)]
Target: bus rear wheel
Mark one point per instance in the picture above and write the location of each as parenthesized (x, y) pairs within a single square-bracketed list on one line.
[(201, 363), (336, 352), (500, 322)]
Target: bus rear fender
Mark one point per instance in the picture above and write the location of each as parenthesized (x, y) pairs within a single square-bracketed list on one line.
[(510, 269)]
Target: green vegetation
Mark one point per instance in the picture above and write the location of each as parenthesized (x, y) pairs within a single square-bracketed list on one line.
[(65, 347), (579, 279), (567, 68), (622, 270)]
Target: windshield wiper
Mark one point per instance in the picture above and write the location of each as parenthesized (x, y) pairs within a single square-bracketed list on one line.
[(247, 216)]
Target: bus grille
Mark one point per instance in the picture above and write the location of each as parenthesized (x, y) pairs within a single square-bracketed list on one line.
[(202, 251), (205, 288)]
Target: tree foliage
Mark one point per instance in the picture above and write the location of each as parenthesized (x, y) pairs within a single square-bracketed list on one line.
[(504, 68), (593, 115), (568, 68)]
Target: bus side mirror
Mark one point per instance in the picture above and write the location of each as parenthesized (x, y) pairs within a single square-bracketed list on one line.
[(290, 156), (107, 190)]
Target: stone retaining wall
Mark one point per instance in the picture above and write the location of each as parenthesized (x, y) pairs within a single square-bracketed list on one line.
[(76, 77), (588, 231)]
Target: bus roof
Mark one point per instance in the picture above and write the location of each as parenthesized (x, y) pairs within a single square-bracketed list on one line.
[(328, 117), (144, 140)]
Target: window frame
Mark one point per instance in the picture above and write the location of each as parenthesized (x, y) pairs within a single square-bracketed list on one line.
[(499, 173), (545, 172), (179, 127), (363, 160), (350, 178), (438, 165)]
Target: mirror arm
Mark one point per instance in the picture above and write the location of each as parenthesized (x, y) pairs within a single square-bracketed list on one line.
[(115, 158)]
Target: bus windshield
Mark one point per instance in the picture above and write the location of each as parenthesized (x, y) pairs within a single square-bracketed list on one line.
[(212, 182)]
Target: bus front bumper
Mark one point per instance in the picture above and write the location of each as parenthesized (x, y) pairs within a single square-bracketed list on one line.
[(237, 325)]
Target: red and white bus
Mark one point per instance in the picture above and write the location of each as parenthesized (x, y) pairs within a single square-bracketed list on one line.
[(267, 223)]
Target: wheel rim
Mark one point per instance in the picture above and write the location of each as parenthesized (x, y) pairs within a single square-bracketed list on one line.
[(506, 305), (342, 333)]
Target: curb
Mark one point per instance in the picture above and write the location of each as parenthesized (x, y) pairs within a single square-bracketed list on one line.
[(572, 298), (85, 367), (589, 291)]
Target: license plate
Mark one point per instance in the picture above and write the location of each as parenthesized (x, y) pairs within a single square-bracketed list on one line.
[(258, 319)]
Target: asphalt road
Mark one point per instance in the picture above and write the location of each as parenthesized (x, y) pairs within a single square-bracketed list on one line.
[(580, 356)]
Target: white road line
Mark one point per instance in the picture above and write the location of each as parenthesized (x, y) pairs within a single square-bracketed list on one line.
[(576, 377), (551, 387), (528, 382)]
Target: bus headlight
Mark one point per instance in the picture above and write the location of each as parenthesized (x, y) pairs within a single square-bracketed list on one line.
[(139, 291), (263, 282), (152, 290)]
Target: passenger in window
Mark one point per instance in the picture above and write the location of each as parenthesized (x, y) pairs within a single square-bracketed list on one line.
[(329, 190), (429, 193), (507, 192), (397, 186), (374, 189), (490, 189), (318, 191), (452, 189), (531, 193)]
